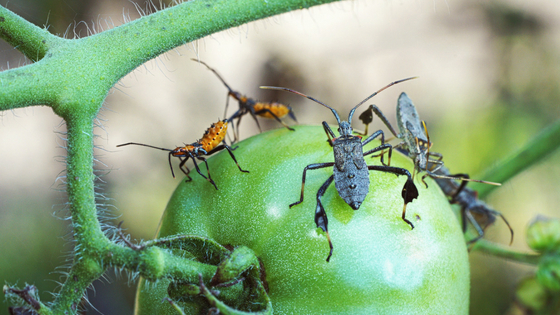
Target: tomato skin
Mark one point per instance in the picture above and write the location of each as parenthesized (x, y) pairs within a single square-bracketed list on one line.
[(379, 265)]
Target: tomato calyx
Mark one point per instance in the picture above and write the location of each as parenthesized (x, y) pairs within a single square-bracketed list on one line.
[(236, 286)]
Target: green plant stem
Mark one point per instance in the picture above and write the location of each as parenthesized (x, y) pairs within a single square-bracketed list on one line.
[(30, 40), (87, 68), (73, 77), (546, 142), (503, 252)]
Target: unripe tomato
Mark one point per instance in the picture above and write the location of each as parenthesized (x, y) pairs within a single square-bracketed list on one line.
[(379, 265)]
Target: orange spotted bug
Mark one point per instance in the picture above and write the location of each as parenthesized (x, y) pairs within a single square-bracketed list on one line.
[(271, 110), (207, 145)]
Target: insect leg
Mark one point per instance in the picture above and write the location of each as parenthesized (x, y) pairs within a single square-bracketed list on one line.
[(409, 191), (229, 149), (235, 131), (383, 145), (252, 112), (185, 169), (266, 110), (171, 166), (496, 213), (467, 213), (199, 172), (309, 167), (329, 132), (384, 119), (227, 104), (321, 216)]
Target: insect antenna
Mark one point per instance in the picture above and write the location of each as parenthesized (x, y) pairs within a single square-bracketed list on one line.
[(372, 95), (151, 146), (301, 94), (144, 145), (215, 72)]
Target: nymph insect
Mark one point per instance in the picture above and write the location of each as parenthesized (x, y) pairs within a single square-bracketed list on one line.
[(350, 171), (477, 212), (253, 107), (207, 145), (415, 139)]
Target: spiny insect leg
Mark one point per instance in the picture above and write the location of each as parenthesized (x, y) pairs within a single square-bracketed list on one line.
[(321, 216), (266, 110), (309, 167)]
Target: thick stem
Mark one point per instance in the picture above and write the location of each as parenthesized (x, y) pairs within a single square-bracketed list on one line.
[(546, 142), (31, 40), (503, 252)]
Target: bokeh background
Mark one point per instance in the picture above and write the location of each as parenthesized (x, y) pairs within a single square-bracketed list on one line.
[(488, 82)]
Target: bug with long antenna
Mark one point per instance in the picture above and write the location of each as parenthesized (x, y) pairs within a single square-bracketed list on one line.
[(350, 171), (476, 211), (416, 144), (415, 140), (207, 145), (247, 105)]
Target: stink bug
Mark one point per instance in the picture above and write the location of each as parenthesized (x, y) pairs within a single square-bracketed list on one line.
[(207, 145), (253, 107), (350, 171)]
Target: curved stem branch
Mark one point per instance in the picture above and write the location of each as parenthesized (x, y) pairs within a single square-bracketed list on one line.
[(503, 252), (546, 142), (29, 39)]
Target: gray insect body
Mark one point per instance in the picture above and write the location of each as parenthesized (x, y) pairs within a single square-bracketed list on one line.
[(350, 171), (351, 174), (412, 132), (416, 145)]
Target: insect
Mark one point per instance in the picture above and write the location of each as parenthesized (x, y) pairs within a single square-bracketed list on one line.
[(207, 145), (350, 171), (477, 212), (415, 139), (253, 107), (416, 144)]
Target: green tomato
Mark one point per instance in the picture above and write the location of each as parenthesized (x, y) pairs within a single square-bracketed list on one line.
[(379, 265)]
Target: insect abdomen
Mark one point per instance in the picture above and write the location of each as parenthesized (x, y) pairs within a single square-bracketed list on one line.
[(351, 175), (280, 110), (214, 135)]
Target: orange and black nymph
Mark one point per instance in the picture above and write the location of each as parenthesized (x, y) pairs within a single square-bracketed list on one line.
[(247, 105), (212, 141)]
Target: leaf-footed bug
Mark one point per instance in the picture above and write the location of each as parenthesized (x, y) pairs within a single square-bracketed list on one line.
[(350, 171), (253, 107), (207, 145), (416, 144), (477, 212), (415, 139)]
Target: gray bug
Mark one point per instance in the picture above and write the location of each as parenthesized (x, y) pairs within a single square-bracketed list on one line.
[(350, 171), (416, 144), (477, 212), (415, 140)]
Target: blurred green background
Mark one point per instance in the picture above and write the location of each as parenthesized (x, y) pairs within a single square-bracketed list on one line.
[(489, 74)]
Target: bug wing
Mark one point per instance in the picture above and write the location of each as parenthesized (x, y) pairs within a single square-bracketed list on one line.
[(351, 179)]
